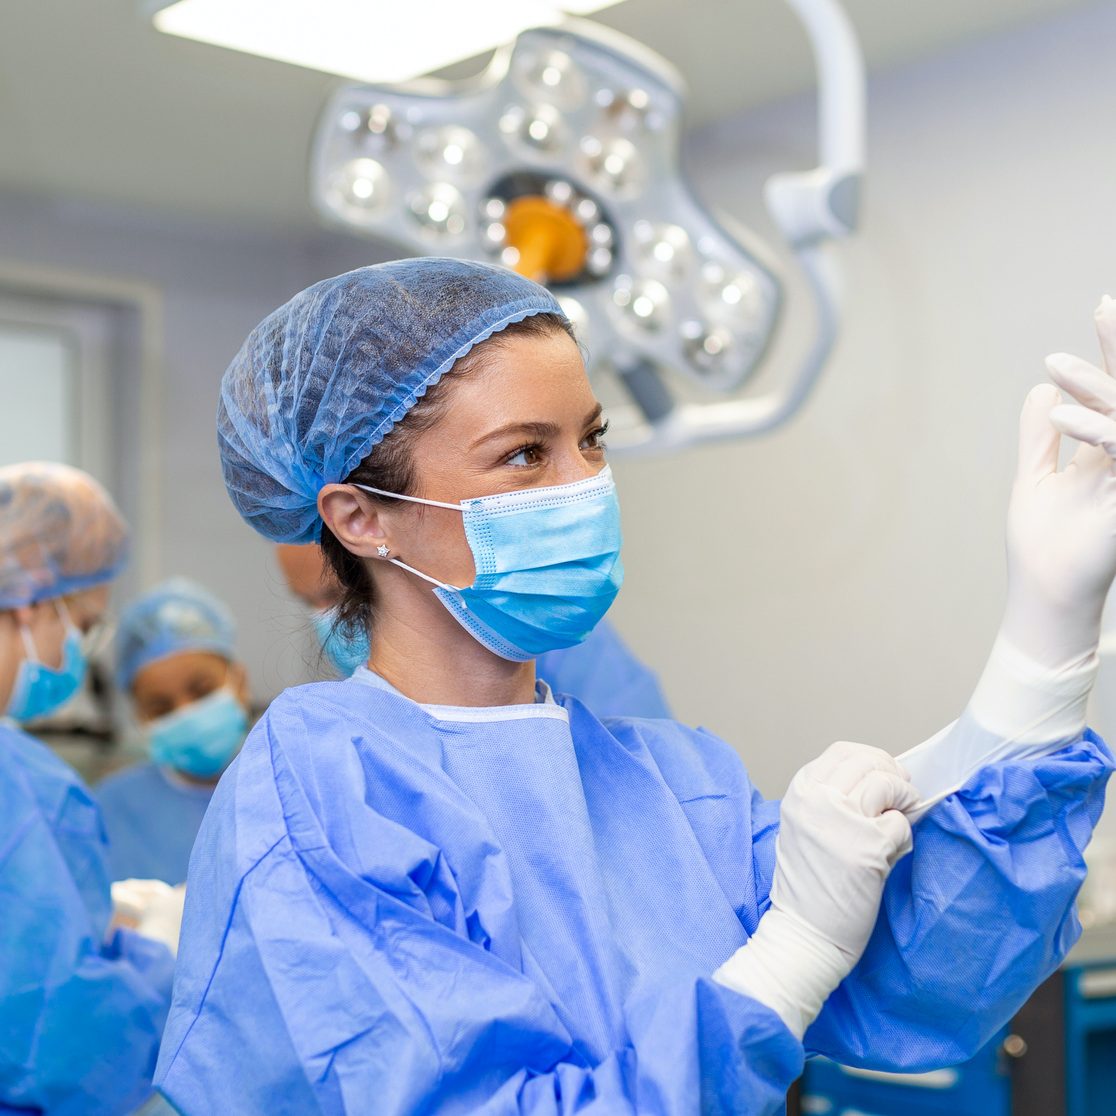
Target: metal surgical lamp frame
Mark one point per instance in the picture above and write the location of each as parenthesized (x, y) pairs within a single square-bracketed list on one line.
[(809, 208), (386, 136)]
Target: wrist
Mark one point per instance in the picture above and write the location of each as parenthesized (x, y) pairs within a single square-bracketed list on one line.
[(788, 967), (1056, 635), (1024, 699)]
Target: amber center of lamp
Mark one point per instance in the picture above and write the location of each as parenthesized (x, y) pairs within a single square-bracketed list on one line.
[(551, 243)]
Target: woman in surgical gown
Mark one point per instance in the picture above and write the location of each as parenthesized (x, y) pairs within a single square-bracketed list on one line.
[(176, 661), (433, 887), (82, 1006)]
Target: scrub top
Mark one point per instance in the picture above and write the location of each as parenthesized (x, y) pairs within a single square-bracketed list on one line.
[(603, 674), (81, 1011), (151, 819), (402, 908)]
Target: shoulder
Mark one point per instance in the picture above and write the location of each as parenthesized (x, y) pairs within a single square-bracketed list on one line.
[(21, 752), (693, 761)]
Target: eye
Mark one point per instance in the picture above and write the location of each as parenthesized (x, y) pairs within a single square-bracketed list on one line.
[(525, 456), (595, 439)]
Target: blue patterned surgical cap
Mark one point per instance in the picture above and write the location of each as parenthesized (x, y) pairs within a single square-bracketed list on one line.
[(60, 533), (326, 377), (174, 617)]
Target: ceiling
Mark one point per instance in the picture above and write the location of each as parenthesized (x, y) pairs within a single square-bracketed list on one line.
[(96, 105)]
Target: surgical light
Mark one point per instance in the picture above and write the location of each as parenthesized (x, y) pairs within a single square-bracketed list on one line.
[(561, 160)]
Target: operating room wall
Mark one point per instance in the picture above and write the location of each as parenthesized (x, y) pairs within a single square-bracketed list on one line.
[(843, 578)]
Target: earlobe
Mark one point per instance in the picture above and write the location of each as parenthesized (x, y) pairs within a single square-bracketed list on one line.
[(353, 518)]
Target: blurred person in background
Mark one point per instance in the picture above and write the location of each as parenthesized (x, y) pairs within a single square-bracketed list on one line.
[(177, 664), (84, 998)]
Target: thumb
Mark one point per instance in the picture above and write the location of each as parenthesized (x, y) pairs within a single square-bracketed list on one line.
[(1106, 332), (1038, 440)]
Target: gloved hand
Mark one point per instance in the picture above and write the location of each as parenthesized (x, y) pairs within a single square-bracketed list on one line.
[(150, 907), (841, 831), (1061, 544)]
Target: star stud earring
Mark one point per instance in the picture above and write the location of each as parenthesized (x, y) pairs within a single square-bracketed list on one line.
[(382, 551)]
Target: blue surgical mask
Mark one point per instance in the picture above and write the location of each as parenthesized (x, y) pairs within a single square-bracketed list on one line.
[(201, 738), (346, 652), (547, 561), (40, 689)]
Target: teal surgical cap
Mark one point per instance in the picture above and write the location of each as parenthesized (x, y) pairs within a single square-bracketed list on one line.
[(174, 617), (326, 377), (60, 533)]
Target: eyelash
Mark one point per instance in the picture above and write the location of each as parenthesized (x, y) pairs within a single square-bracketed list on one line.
[(594, 437)]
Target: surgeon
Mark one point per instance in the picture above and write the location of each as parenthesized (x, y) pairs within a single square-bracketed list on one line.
[(177, 663), (82, 1003), (437, 885), (601, 671)]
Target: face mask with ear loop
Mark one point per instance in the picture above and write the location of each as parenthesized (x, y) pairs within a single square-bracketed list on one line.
[(39, 689), (547, 565)]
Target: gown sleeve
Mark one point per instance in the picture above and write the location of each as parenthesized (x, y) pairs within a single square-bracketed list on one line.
[(364, 997), (975, 918), (81, 1018)]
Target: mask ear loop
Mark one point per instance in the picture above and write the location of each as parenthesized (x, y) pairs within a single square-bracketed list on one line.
[(416, 500)]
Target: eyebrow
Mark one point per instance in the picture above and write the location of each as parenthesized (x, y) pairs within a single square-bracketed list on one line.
[(539, 430)]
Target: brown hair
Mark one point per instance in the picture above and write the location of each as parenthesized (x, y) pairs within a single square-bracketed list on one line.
[(390, 466)]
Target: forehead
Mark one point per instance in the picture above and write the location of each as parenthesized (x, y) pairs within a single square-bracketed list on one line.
[(519, 376), (173, 671)]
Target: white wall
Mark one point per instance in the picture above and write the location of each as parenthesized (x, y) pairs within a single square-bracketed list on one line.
[(843, 578)]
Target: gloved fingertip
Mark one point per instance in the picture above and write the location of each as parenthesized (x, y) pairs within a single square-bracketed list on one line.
[(1059, 364)]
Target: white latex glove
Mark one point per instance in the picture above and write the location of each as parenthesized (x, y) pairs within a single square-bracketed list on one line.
[(150, 907), (1061, 545), (841, 831)]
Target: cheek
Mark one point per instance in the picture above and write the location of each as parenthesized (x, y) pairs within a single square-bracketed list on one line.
[(440, 549), (48, 633)]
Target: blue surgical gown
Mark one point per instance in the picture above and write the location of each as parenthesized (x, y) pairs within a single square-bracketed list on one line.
[(399, 909), (603, 674), (151, 823), (80, 1018)]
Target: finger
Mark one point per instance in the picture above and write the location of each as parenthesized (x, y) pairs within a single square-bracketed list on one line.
[(844, 764), (880, 791), (1086, 383), (1086, 426), (1106, 333), (896, 830), (1038, 440)]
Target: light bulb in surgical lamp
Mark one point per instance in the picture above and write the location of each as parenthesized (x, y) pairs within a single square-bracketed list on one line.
[(361, 188), (612, 165), (449, 152), (550, 76), (731, 295), (662, 249), (439, 209), (537, 131), (641, 304), (710, 349)]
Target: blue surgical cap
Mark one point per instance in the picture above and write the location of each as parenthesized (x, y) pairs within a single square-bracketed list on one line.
[(326, 377), (177, 616), (60, 533)]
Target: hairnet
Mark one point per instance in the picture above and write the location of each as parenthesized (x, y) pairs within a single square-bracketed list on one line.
[(60, 532), (324, 378), (176, 616)]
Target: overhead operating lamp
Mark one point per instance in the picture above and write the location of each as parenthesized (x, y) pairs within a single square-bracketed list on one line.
[(561, 160)]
